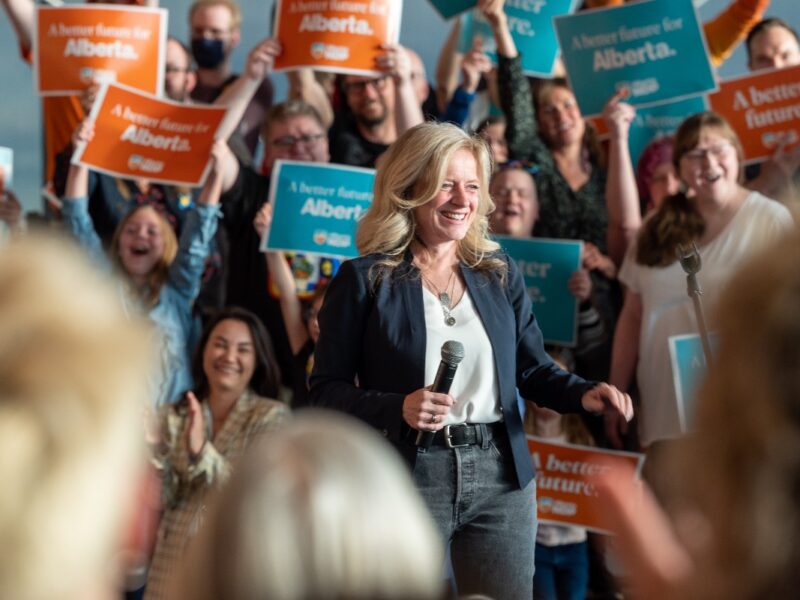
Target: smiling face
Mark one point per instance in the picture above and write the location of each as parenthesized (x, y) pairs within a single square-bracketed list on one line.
[(370, 98), (298, 137), (141, 243), (447, 217), (229, 357), (711, 168), (516, 203), (560, 120)]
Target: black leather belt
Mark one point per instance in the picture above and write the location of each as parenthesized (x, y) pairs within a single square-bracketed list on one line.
[(467, 434)]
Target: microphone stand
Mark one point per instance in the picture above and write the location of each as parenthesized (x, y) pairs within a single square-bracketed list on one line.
[(691, 264)]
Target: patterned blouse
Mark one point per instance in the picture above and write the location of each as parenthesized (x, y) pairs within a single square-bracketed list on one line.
[(563, 213), (186, 482)]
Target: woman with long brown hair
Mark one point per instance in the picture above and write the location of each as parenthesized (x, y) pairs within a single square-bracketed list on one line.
[(203, 436), (726, 222)]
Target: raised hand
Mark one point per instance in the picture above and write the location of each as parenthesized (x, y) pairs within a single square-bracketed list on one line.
[(263, 219), (195, 432), (619, 115), (261, 58), (474, 64)]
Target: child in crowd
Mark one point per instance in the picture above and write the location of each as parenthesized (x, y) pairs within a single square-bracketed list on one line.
[(562, 554), (301, 325), (162, 273)]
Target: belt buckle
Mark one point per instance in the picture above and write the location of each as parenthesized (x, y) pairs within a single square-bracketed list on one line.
[(448, 437)]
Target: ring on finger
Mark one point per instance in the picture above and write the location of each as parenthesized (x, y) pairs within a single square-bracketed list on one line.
[(434, 418)]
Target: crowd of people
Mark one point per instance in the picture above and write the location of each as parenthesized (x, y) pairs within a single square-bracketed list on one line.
[(237, 360)]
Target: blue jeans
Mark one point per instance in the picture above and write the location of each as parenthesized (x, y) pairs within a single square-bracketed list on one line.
[(490, 524), (562, 572)]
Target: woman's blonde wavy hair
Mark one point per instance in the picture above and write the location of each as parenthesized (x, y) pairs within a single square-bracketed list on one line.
[(409, 175)]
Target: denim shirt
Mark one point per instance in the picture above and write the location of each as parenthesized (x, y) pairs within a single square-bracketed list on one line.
[(172, 313)]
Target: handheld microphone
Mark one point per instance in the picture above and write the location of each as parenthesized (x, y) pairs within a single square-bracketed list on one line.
[(452, 354)]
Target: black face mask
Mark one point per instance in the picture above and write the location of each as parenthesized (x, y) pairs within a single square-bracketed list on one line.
[(209, 54)]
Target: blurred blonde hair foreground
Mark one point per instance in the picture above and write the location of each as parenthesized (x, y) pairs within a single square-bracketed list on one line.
[(321, 509), (72, 388), (745, 457), (733, 486)]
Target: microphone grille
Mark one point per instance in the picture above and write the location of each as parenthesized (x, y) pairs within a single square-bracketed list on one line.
[(452, 352), (689, 258)]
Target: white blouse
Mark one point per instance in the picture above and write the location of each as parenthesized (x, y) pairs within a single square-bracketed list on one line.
[(474, 389)]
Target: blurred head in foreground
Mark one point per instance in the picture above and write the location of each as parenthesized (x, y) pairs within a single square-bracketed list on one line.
[(745, 457), (321, 509), (72, 376)]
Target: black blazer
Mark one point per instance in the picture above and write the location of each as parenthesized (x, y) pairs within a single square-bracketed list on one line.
[(372, 330)]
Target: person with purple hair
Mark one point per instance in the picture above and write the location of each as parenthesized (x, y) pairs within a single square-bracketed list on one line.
[(655, 174)]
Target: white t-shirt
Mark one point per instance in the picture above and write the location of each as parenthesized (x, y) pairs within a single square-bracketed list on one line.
[(475, 383), (667, 309)]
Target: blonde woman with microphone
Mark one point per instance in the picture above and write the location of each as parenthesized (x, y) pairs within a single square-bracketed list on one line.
[(429, 274)]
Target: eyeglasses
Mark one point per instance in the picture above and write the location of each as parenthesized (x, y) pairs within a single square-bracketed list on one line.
[(718, 151), (288, 141), (379, 83)]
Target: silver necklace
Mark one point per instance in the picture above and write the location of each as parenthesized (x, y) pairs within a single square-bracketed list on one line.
[(444, 298)]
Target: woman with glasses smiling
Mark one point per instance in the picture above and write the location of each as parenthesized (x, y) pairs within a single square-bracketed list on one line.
[(726, 222)]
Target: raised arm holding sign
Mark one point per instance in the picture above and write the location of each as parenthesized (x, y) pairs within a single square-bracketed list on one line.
[(142, 136)]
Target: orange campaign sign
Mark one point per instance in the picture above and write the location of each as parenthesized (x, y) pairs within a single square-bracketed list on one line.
[(761, 108), (566, 476), (137, 135), (75, 46), (342, 36)]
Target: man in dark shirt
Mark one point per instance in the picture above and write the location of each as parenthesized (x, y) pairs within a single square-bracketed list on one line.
[(378, 109), (292, 130), (214, 26)]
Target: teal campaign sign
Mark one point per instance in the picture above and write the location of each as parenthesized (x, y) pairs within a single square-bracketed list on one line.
[(688, 370), (531, 25), (655, 49), (658, 120), (316, 207), (450, 8), (546, 266)]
